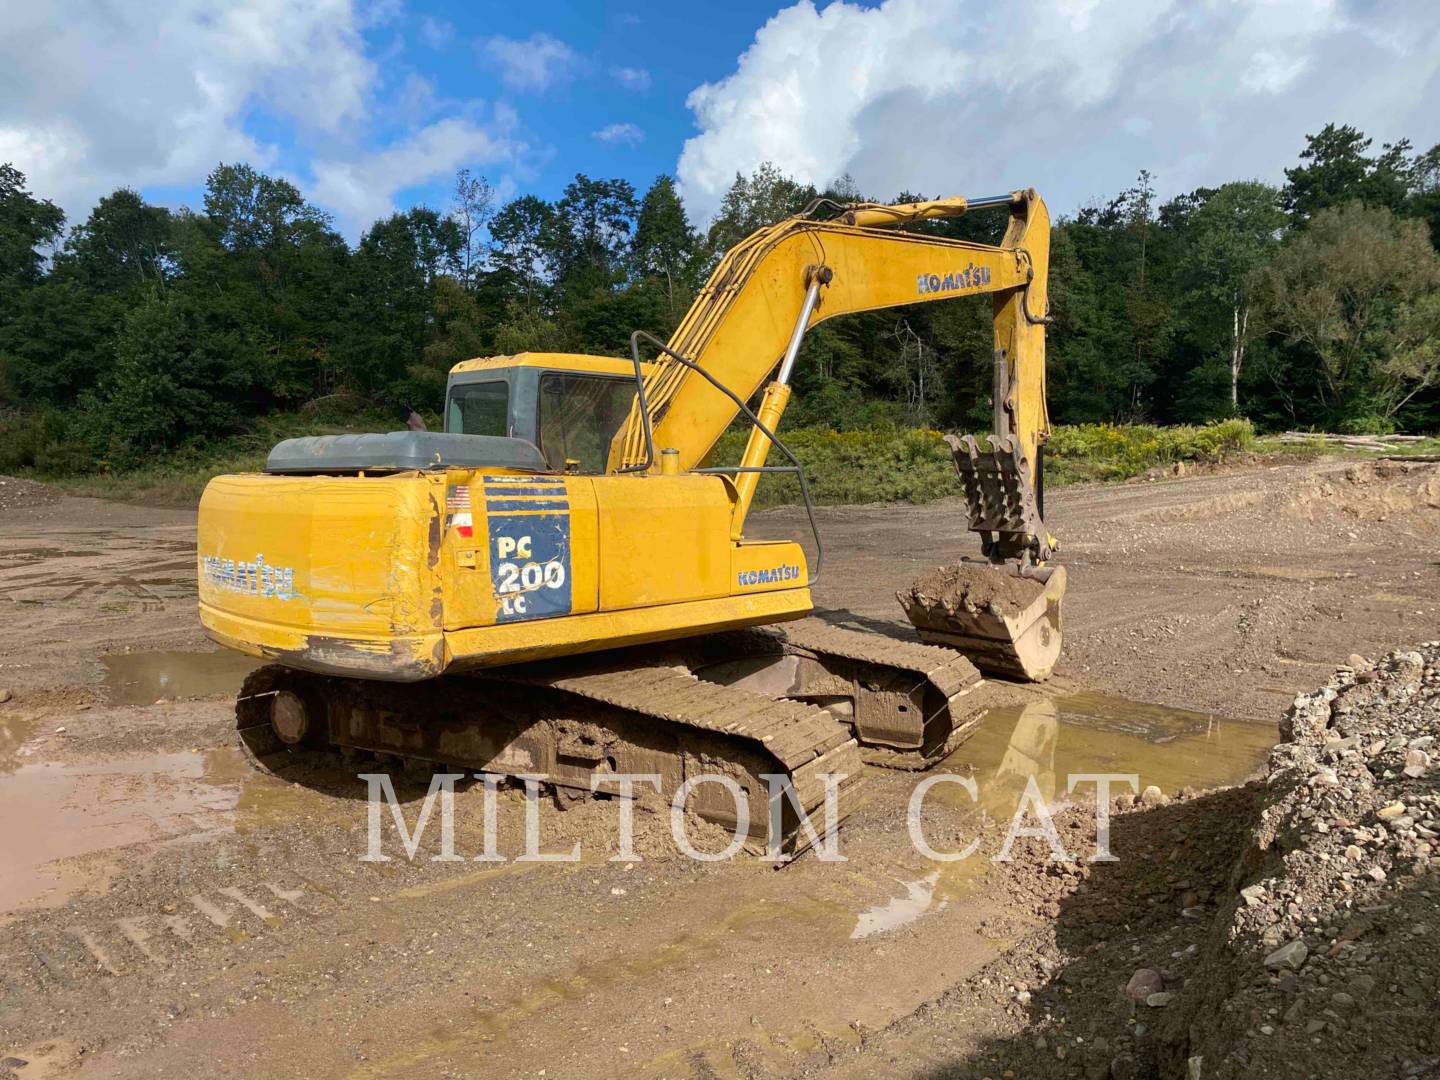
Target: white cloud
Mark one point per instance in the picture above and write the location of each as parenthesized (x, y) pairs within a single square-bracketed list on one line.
[(636, 79), (1272, 73), (362, 189), (629, 134), (535, 63), (436, 33), (943, 97), (156, 94)]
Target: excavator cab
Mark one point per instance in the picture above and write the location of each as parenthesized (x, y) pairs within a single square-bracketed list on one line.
[(568, 405)]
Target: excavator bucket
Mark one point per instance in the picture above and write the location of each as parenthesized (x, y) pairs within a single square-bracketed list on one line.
[(1004, 614), (1007, 623)]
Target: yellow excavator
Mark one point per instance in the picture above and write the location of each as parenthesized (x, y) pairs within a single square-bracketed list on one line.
[(560, 585)]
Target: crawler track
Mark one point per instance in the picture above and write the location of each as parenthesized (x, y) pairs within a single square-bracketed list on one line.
[(805, 701), (573, 724)]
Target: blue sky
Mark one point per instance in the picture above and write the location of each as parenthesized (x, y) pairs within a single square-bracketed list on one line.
[(372, 105)]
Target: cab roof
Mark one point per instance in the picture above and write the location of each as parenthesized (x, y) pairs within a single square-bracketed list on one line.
[(590, 365)]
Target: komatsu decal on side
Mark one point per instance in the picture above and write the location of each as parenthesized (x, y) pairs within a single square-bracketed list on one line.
[(255, 578), (769, 576), (972, 277)]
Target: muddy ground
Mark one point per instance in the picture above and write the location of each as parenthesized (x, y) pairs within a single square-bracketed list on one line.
[(165, 911)]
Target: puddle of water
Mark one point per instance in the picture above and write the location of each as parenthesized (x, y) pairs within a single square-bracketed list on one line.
[(69, 811), (901, 911), (142, 678), (1054, 738), (14, 730)]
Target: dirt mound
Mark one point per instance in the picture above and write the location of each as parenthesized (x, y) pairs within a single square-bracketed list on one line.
[(969, 587), (1370, 489), (16, 493), (1325, 962)]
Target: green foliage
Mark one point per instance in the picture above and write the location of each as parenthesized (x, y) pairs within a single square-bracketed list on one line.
[(901, 465), (1360, 289), (1118, 452), (1336, 170), (913, 465), (146, 332)]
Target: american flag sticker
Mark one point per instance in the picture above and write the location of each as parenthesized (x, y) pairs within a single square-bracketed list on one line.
[(457, 509)]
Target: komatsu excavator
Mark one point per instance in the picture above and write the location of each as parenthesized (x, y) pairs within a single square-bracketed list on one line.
[(560, 585)]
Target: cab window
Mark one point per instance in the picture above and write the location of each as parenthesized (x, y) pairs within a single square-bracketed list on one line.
[(579, 415), (479, 409)]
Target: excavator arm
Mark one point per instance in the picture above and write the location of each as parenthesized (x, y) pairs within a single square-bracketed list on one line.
[(769, 289)]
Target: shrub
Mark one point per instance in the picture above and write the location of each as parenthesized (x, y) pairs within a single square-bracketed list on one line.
[(913, 465)]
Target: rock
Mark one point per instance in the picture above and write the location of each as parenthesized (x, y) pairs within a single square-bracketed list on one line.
[(5, 695), (1153, 796), (1342, 1000), (1417, 763), (1160, 1000), (1375, 873), (1314, 1027), (1290, 956), (1392, 810), (1253, 894), (1023, 997), (1143, 983), (1353, 853), (1124, 1067), (1358, 662), (1266, 1029)]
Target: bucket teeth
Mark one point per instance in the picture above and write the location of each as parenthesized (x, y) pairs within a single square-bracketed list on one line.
[(1000, 496)]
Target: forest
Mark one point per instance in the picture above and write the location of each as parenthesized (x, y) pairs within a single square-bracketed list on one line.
[(143, 329)]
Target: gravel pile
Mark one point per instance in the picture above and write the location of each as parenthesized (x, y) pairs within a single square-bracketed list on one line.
[(16, 493), (1326, 961)]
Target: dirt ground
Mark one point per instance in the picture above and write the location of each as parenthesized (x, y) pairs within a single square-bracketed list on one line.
[(166, 911)]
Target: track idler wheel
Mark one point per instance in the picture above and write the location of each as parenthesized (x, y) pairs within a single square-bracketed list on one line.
[(278, 710)]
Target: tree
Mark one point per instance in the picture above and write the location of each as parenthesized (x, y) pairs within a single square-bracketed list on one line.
[(124, 243), (396, 268), (471, 212), (1425, 190), (665, 245), (250, 211), (1337, 170), (27, 224), (1229, 235), (173, 379), (764, 197), (590, 230), (521, 231), (1358, 289)]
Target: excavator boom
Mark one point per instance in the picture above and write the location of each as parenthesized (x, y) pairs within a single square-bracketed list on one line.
[(748, 322)]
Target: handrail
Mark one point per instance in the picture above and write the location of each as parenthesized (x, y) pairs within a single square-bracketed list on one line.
[(794, 466)]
